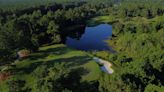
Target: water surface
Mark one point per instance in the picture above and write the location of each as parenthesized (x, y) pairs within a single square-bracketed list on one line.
[(93, 38)]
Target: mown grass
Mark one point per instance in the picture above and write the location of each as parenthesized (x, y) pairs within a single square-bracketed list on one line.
[(112, 19), (53, 56), (100, 19)]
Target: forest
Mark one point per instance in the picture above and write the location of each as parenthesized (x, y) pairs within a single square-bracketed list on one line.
[(41, 27)]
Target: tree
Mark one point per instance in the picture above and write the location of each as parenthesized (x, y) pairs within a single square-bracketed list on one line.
[(52, 28), (36, 14), (16, 85), (53, 31), (130, 28), (5, 56), (154, 88), (117, 28), (16, 35)]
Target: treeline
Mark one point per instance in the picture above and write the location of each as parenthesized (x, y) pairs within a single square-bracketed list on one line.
[(139, 57), (147, 9), (39, 26), (138, 40), (14, 5), (43, 8)]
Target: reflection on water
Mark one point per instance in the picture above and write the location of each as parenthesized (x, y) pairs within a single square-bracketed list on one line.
[(90, 38)]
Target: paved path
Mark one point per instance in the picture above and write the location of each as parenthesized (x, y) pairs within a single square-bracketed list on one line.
[(107, 66)]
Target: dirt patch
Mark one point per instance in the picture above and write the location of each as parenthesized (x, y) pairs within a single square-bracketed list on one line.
[(4, 76)]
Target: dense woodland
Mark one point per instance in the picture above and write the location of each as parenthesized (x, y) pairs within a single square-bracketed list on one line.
[(138, 39), (42, 25)]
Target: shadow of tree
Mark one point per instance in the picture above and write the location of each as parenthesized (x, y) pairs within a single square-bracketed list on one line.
[(152, 76), (151, 71), (36, 56), (16, 85), (56, 51), (72, 81), (70, 62), (66, 81), (27, 70), (73, 61), (47, 52), (130, 78)]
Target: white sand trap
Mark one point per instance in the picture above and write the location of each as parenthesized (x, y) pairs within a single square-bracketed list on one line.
[(107, 66)]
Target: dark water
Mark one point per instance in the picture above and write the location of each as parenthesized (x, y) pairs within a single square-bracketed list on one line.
[(90, 38)]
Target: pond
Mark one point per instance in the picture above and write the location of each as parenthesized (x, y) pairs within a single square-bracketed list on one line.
[(90, 38)]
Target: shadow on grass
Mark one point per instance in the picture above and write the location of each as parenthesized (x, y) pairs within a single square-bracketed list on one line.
[(56, 51), (69, 78), (72, 82), (51, 51), (27, 70), (69, 63)]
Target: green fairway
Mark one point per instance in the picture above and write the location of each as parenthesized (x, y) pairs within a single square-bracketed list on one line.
[(81, 45), (100, 19), (56, 56)]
